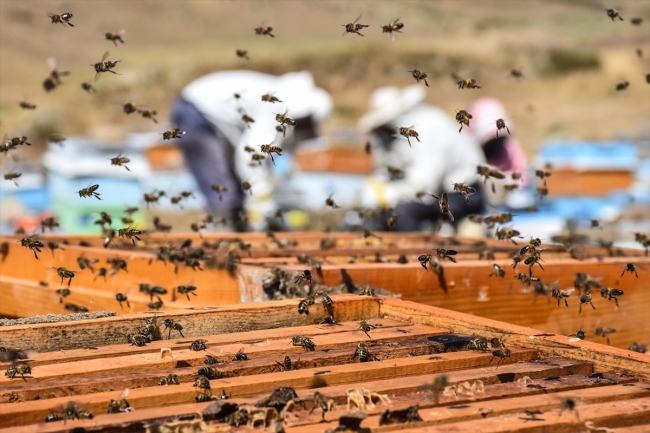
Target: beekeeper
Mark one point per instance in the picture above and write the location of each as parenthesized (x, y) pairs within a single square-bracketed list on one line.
[(211, 110), (431, 165)]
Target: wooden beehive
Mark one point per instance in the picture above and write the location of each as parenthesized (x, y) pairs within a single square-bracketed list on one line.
[(415, 345)]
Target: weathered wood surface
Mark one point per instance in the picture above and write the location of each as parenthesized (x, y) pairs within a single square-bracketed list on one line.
[(413, 344)]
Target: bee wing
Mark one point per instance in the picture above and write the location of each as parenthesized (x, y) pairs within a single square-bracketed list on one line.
[(106, 54), (125, 393), (97, 76), (395, 22), (567, 292), (51, 63), (358, 18)]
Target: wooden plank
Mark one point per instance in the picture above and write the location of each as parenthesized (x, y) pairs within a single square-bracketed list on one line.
[(604, 358)]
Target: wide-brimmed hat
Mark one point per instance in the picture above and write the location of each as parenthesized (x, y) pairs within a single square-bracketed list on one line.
[(388, 103)]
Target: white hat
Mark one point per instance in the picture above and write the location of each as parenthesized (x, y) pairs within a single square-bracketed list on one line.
[(388, 103), (303, 98)]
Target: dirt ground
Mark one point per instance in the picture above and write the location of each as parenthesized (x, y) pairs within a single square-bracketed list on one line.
[(571, 53)]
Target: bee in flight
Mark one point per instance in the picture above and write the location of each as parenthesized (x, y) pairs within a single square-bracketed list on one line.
[(88, 88), (419, 76), (13, 176), (463, 189), (173, 133), (501, 125), (90, 191), (463, 118), (329, 201), (395, 26), (354, 27), (54, 79), (270, 150), (269, 97), (408, 132), (282, 119), (613, 14), (444, 205), (27, 105), (115, 37), (105, 66), (219, 189), (148, 114), (264, 30), (468, 83), (33, 244), (119, 160), (623, 85), (63, 19), (243, 54), (517, 73)]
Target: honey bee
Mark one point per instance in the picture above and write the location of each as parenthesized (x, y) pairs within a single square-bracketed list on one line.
[(54, 79), (247, 120), (105, 66), (63, 293), (501, 124), (463, 117), (240, 356), (173, 326), (211, 373), (149, 289), (580, 334), (88, 88), (186, 290), (121, 298), (543, 174), (446, 254), (283, 119), (270, 97), (517, 73), (243, 53), (85, 262), (304, 342), (408, 132), (502, 354), (119, 160), (170, 379), (488, 172), (285, 365), (463, 189), (325, 299), (12, 177), (584, 299), (526, 278), (604, 332), (366, 327), (139, 340), (354, 27), (425, 259), (535, 258), (173, 133), (129, 233), (202, 382), (444, 205), (329, 201), (304, 304), (148, 114), (120, 405), (395, 26), (609, 294), (327, 320), (631, 268), (562, 294), (198, 345), (262, 31), (515, 176), (282, 129), (419, 76), (364, 354), (75, 308), (636, 347), (623, 85), (395, 173), (209, 359), (27, 105), (304, 276), (270, 150), (114, 37), (503, 234), (498, 271), (63, 19), (219, 189), (70, 411), (246, 186), (156, 305), (33, 244), (468, 83), (18, 369), (367, 291), (510, 187), (477, 344), (90, 191), (325, 404), (613, 14)]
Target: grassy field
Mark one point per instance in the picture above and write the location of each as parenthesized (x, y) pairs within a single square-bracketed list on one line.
[(572, 54)]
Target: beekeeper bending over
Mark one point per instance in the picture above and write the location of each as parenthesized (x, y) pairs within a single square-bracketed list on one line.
[(431, 165), (224, 117)]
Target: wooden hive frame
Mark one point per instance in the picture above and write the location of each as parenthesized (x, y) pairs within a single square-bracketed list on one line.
[(89, 362)]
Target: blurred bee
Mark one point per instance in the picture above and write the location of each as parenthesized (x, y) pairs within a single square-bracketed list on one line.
[(282, 119), (262, 31), (542, 191), (198, 345), (119, 264), (408, 132), (631, 268), (33, 244), (609, 294), (270, 150), (304, 276), (323, 403), (173, 133), (613, 14), (515, 176), (526, 278), (468, 83), (463, 189), (502, 354), (477, 344), (503, 234), (486, 255), (636, 347), (12, 177), (243, 53), (535, 258), (444, 205), (63, 293), (54, 79), (488, 172), (395, 26), (120, 405), (105, 66), (354, 27), (282, 129), (367, 291), (304, 304), (121, 298), (328, 320), (304, 342), (364, 354), (63, 19), (240, 356), (57, 138), (463, 117), (149, 289), (543, 174), (219, 189), (247, 120), (160, 226), (501, 124), (18, 369), (186, 290), (604, 332), (446, 254), (18, 141), (329, 201), (156, 305), (85, 262), (129, 233), (517, 73), (510, 187), (636, 21), (202, 382), (366, 327), (148, 114), (623, 85), (211, 373), (498, 271), (91, 191), (119, 160), (325, 299), (26, 105), (170, 379), (269, 97), (257, 157), (246, 186), (101, 273), (395, 173), (88, 88), (584, 299), (114, 37), (562, 294), (70, 411), (419, 76), (75, 308), (173, 326), (285, 365)]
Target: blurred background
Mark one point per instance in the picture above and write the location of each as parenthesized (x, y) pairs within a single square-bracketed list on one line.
[(566, 111)]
